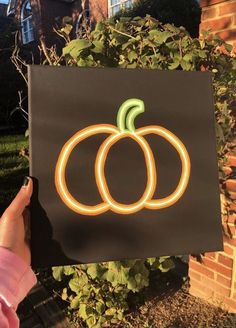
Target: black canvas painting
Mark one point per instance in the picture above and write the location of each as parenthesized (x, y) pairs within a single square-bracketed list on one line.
[(124, 164)]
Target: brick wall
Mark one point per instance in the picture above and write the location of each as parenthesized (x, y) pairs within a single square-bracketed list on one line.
[(98, 9), (214, 277), (220, 17)]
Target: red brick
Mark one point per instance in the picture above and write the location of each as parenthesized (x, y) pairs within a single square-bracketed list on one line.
[(228, 35), (234, 46), (217, 24), (231, 160), (223, 281), (206, 3), (231, 303), (232, 195), (225, 261), (230, 219), (211, 255), (229, 229), (194, 274), (231, 184), (227, 170), (213, 285), (217, 267), (230, 241), (208, 13), (203, 289), (232, 206), (234, 20), (228, 250), (234, 296), (232, 230), (197, 293), (201, 269), (227, 8)]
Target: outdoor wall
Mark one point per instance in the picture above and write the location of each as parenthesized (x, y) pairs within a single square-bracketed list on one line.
[(220, 17), (98, 9), (3, 10), (213, 276)]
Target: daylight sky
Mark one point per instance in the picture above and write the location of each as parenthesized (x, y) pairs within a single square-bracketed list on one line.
[(4, 1)]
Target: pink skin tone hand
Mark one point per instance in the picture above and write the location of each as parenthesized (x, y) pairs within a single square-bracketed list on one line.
[(14, 224)]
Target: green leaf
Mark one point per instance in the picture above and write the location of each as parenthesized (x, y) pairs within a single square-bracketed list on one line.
[(110, 311), (91, 322), (100, 27), (77, 283), (164, 36), (69, 270), (82, 311), (75, 303), (75, 47), (57, 273), (67, 29), (95, 271), (132, 55), (174, 65), (98, 46), (132, 284), (167, 265), (100, 307), (188, 57), (185, 65)]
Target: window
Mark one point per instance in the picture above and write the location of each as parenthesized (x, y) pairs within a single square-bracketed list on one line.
[(11, 7), (26, 23), (116, 5)]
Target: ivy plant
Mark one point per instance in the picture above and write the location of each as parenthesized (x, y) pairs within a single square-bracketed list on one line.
[(98, 293), (147, 43)]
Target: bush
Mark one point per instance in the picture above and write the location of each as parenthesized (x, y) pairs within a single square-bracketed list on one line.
[(185, 13), (147, 43), (99, 292)]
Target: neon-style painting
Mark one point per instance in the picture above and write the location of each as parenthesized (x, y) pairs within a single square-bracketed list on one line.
[(125, 128)]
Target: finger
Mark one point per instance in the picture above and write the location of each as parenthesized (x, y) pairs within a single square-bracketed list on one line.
[(22, 199), (26, 217)]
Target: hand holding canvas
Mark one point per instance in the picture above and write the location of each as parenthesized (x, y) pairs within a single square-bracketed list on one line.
[(15, 256), (14, 223)]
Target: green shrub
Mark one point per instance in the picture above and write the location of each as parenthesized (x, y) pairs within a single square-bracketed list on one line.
[(185, 13), (146, 43), (99, 292)]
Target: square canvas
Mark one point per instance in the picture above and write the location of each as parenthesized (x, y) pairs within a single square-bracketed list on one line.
[(124, 164)]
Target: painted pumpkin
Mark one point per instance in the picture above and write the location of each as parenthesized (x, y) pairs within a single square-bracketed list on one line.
[(125, 129)]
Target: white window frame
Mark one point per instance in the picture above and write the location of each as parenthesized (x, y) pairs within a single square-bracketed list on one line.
[(11, 7), (27, 30), (120, 3)]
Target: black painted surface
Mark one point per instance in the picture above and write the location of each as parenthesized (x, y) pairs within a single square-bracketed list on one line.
[(64, 100)]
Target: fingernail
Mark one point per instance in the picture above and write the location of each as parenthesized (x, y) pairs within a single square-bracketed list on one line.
[(25, 182)]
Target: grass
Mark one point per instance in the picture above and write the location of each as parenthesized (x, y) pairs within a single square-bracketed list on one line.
[(13, 167)]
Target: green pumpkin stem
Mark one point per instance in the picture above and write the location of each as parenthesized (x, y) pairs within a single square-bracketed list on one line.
[(127, 113)]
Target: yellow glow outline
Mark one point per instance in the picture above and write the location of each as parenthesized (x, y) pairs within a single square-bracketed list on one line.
[(136, 106), (186, 166), (60, 182), (101, 180)]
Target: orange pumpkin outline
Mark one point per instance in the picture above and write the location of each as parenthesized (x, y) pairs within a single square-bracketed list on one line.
[(125, 129)]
